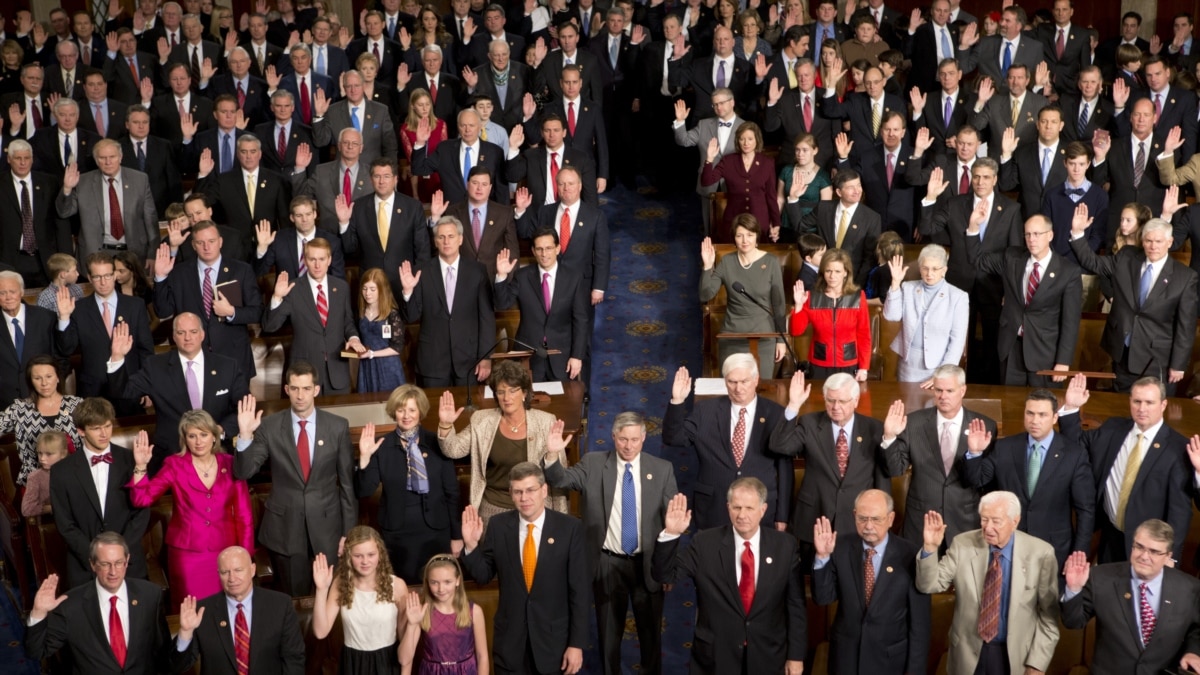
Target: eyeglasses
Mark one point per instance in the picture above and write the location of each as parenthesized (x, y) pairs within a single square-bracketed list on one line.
[(116, 566), (102, 277), (717, 103), (1035, 235), (874, 520), (1138, 548)]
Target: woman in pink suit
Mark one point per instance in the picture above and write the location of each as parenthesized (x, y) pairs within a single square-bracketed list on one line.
[(749, 184), (212, 509)]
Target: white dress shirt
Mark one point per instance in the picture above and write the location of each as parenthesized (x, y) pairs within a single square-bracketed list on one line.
[(734, 409), (99, 472), (1112, 484), (612, 539), (755, 548), (523, 531)]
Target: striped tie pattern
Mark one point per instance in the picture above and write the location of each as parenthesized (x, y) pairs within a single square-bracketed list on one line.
[(1035, 280), (322, 305), (241, 642), (207, 290), (989, 610)]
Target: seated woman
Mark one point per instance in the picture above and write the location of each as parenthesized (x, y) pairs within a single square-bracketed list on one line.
[(933, 315), (47, 408), (497, 439), (841, 321)]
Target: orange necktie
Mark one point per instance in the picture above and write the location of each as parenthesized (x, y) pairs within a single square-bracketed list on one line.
[(564, 231), (529, 557)]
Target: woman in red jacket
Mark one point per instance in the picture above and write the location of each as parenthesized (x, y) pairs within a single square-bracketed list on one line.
[(841, 321)]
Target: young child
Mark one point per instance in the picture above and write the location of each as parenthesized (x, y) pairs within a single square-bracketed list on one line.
[(51, 447), (64, 271), (879, 280), (889, 62), (446, 626), (382, 331), (812, 247)]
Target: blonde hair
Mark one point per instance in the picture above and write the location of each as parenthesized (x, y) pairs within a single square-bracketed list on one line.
[(53, 440), (198, 419), (462, 606), (344, 573)]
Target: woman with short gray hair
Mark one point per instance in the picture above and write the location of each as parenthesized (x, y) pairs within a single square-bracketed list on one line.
[(933, 316)]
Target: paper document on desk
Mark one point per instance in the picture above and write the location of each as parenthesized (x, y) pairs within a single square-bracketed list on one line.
[(711, 386), (551, 388)]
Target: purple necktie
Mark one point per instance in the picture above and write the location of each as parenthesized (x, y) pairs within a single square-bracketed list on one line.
[(948, 111), (476, 227), (546, 290), (450, 289), (720, 74), (193, 386)]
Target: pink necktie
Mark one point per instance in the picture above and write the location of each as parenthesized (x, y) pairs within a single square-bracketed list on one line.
[(107, 318), (808, 113), (476, 228), (546, 291), (99, 121), (891, 168), (322, 305), (241, 94), (207, 291)]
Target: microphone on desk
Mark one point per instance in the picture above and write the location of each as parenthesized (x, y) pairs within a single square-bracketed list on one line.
[(537, 351), (739, 287)]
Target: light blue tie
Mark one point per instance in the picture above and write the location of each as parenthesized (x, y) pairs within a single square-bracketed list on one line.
[(1035, 468), (613, 47), (1045, 164), (947, 52), (354, 119), (226, 154), (629, 520), (1144, 285), (321, 60), (1007, 62), (466, 163)]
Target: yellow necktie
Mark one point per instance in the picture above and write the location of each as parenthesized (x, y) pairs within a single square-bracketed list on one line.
[(529, 557), (1016, 112), (250, 192), (876, 118), (483, 134), (792, 82), (1131, 471), (842, 227), (381, 222)]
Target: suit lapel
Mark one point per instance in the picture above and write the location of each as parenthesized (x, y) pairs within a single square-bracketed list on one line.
[(724, 409), (856, 568), (1016, 581), (608, 485), (728, 566), (1122, 591), (90, 605), (1159, 289), (83, 473)]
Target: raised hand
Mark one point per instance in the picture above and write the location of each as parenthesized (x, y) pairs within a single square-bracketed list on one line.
[(681, 110), (987, 89), (231, 41), (516, 138), (898, 269), (249, 417), (264, 236), (345, 210), (470, 78), (978, 437), (969, 36), (143, 451), (774, 91), (639, 33), (1076, 570), (1077, 392), (934, 531), (1155, 44), (713, 150), (896, 421), (798, 391), (1174, 140), (540, 50), (70, 178), (240, 120), (799, 294), (16, 116), (404, 38), (282, 286), (414, 611), (207, 70), (146, 89), (1080, 222), (163, 262), (528, 109), (1042, 75), (708, 253), (424, 131), (111, 42), (1009, 142), (1120, 93), (367, 444), (523, 199), (469, 29), (843, 145), (447, 413), (164, 49), (678, 515), (46, 601), (1171, 203), (761, 67), (837, 71), (403, 77), (408, 280), (682, 386), (472, 527), (207, 164), (504, 264), (979, 216), (916, 20), (824, 538), (122, 341), (556, 444), (322, 573), (303, 156), (679, 47), (917, 99), (320, 103)]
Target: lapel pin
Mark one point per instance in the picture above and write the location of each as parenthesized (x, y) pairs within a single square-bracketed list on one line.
[(854, 227), (295, 135), (550, 540), (490, 221), (1167, 601), (224, 624), (120, 319), (1128, 596), (999, 208), (769, 561), (424, 454), (214, 372), (1052, 275), (368, 116), (397, 210), (321, 442), (1156, 445), (262, 184), (333, 290), (858, 439), (763, 266), (224, 269), (481, 158), (901, 163), (133, 602), (889, 569), (649, 476), (1172, 101), (762, 420)]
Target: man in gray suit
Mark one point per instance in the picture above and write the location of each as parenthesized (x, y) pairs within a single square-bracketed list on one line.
[(1009, 46), (994, 109), (721, 128), (312, 503), (626, 494), (331, 179), (129, 224), (355, 112)]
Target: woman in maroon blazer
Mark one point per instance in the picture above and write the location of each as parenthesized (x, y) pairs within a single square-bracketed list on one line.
[(749, 179)]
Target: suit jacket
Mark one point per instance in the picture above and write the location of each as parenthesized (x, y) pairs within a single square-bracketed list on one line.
[(1106, 54), (1064, 489), (18, 98), (856, 109), (1117, 172), (996, 116), (162, 162), (87, 322), (138, 214), (41, 337), (890, 635), (547, 76), (1160, 332), (985, 57), (508, 112), (864, 230), (78, 514), (446, 162), (449, 91), (895, 204), (1100, 116), (379, 136), (1106, 596), (276, 645), (272, 56), (324, 184), (822, 491), (696, 75), (708, 429), (47, 151), (440, 508), (589, 248), (590, 135), (499, 232), (336, 62), (451, 341), (114, 122), (943, 224), (316, 81), (320, 345), (1060, 207), (1050, 323), (121, 85), (94, 55), (258, 106), (1162, 484), (301, 515), (182, 53), (181, 292), (531, 166), (724, 638), (943, 340), (1178, 110), (922, 49), (699, 136), (285, 166), (284, 253), (391, 55), (408, 238), (51, 234), (535, 620), (1032, 605), (566, 327), (165, 122), (788, 114), (231, 205), (211, 140), (1077, 53), (931, 488), (1023, 171), (933, 117), (78, 625)]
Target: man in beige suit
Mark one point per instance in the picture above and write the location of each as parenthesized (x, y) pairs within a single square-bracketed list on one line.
[(1006, 586)]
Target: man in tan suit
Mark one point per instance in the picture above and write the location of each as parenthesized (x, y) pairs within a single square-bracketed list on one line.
[(998, 575)]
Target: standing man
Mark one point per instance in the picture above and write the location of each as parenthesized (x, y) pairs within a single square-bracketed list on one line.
[(994, 55), (928, 46), (626, 495), (864, 110), (152, 156), (729, 435), (287, 143), (369, 118), (454, 159), (1068, 47), (31, 331), (172, 108), (312, 503), (264, 618), (1147, 595), (1128, 165), (100, 114), (247, 195), (541, 622), (1087, 111), (883, 167), (283, 250), (765, 568), (539, 165), (444, 89), (303, 84), (1011, 106), (27, 198), (844, 222), (719, 127), (1006, 590), (114, 204), (942, 113), (1171, 106), (493, 227), (250, 91), (1033, 167), (345, 176), (875, 607), (797, 110), (386, 228)]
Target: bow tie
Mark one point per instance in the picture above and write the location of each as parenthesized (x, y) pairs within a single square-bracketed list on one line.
[(1075, 191), (724, 125), (105, 458)]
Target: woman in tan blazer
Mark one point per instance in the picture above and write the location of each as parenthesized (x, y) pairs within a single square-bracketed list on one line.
[(498, 438)]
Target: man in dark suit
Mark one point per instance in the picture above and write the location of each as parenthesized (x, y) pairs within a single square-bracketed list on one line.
[(828, 26), (703, 76), (730, 437), (1050, 476), (541, 622), (1150, 330), (89, 40), (303, 84), (322, 318), (31, 331), (656, 103), (194, 49), (801, 110), (345, 176), (875, 607), (886, 18), (268, 617), (31, 102), (845, 222), (549, 72), (249, 91), (1016, 108), (362, 224), (444, 89), (1087, 111), (1034, 167), (536, 166), (945, 110), (617, 57), (1127, 164), (167, 122), (929, 45), (884, 167), (65, 78), (933, 441), (554, 308), (1106, 52), (861, 108), (132, 608), (263, 54), (1139, 464), (195, 286), (1170, 106), (473, 52), (126, 68), (99, 114), (454, 306), (584, 124), (994, 55), (1043, 295), (745, 575), (454, 159), (492, 226), (621, 526), (1068, 47), (283, 250), (27, 204), (282, 138), (1118, 595), (509, 99), (389, 52), (955, 166), (64, 143), (246, 196), (312, 503)]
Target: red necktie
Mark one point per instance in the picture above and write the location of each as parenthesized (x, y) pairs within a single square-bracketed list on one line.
[(322, 305), (1059, 44), (843, 453), (281, 145), (989, 609), (305, 102), (133, 71), (241, 640), (868, 574), (116, 224), (554, 182), (564, 231), (964, 183), (571, 118), (891, 169), (206, 289), (433, 90), (739, 438), (37, 113), (302, 451), (1147, 615), (1035, 278), (746, 585), (116, 633), (346, 188), (375, 50), (174, 41), (808, 113), (241, 94)]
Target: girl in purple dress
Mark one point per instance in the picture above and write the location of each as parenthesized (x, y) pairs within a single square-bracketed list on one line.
[(446, 628)]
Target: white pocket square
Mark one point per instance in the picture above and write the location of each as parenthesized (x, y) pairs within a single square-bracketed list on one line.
[(222, 392)]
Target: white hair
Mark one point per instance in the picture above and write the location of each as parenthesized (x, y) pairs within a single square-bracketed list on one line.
[(1011, 504), (838, 382), (741, 360)]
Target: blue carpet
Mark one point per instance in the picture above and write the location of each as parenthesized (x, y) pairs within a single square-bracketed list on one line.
[(648, 326)]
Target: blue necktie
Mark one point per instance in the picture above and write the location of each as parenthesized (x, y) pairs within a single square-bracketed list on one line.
[(321, 61), (720, 74), (18, 339), (629, 521), (947, 52), (141, 156), (1143, 285), (1045, 165), (354, 119), (66, 150), (949, 111), (1007, 62), (418, 477), (226, 154), (1081, 125), (466, 163)]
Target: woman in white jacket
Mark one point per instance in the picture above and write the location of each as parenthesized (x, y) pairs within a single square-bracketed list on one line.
[(933, 316)]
